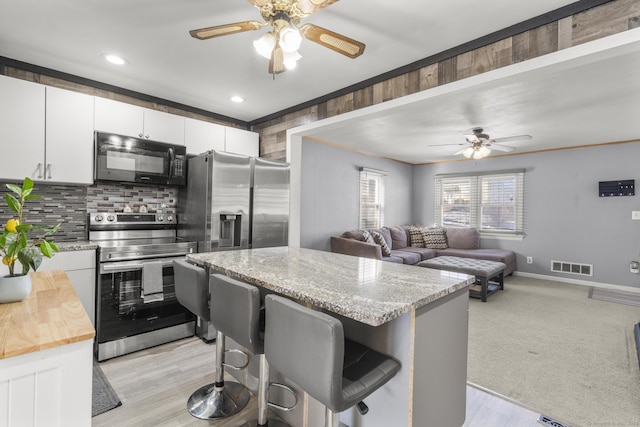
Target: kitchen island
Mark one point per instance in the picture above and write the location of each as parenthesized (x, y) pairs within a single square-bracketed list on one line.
[(46, 354), (417, 315)]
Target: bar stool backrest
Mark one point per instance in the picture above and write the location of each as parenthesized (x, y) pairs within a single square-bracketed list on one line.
[(307, 347), (235, 311), (192, 288)]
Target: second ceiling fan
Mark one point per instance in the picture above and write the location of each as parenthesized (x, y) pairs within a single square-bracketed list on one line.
[(280, 45)]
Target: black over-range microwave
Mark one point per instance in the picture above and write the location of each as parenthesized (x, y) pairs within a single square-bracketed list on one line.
[(127, 159)]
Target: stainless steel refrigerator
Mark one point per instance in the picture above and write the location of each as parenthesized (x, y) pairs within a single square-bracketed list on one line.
[(233, 201)]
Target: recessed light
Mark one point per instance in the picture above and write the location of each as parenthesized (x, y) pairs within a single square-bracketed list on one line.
[(237, 99), (115, 59)]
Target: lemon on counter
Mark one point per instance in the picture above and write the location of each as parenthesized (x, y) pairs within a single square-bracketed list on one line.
[(11, 225)]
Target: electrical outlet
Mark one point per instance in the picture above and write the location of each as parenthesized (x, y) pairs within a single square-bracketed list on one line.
[(529, 260)]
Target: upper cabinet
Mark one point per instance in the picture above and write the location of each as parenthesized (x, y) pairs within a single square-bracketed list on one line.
[(69, 137), (127, 119), (22, 115), (58, 148), (200, 136), (241, 142)]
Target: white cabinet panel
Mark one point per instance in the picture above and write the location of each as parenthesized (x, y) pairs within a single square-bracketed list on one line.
[(241, 141), (22, 112), (118, 117), (127, 119), (69, 136), (201, 136)]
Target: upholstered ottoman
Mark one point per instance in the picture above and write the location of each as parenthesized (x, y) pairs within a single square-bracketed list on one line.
[(489, 274)]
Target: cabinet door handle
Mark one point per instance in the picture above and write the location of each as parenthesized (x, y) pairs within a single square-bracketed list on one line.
[(48, 170), (40, 170)]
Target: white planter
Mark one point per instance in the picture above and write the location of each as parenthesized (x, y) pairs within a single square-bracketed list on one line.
[(14, 288)]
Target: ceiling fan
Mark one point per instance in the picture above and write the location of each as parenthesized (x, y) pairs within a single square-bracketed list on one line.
[(280, 45), (479, 144)]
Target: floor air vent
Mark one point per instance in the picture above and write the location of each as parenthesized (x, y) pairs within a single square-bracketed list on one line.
[(544, 420), (572, 268)]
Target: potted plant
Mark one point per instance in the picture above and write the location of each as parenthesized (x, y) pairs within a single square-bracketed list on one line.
[(19, 252)]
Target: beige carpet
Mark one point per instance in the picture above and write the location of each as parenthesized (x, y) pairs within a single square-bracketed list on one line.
[(549, 346)]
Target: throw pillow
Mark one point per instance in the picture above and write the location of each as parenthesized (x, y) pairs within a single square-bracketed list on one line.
[(379, 239), (415, 236), (366, 236), (434, 238)]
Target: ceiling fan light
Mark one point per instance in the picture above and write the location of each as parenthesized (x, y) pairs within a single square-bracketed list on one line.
[(291, 59), (265, 44), (468, 152), (290, 39), (484, 151)]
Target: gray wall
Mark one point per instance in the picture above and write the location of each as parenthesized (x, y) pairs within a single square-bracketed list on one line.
[(330, 184), (565, 219)]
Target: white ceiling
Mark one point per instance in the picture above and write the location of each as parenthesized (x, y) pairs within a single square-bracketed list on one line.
[(166, 62), (573, 104)]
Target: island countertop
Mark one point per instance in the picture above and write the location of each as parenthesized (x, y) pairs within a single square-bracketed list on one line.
[(367, 290), (51, 316)]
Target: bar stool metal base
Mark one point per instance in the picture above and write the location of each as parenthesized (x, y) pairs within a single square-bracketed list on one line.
[(271, 422), (211, 402)]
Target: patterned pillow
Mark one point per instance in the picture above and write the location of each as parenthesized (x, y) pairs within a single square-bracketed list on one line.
[(434, 238), (379, 239), (366, 237), (416, 237)]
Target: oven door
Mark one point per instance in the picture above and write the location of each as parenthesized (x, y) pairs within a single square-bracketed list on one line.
[(122, 309)]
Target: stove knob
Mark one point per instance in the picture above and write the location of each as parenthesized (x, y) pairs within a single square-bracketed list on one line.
[(99, 218), (160, 217), (170, 218), (111, 218)]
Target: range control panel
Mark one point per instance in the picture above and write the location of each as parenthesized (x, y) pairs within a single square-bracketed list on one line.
[(119, 218)]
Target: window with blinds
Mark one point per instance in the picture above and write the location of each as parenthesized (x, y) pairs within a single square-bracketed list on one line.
[(371, 198), (491, 202)]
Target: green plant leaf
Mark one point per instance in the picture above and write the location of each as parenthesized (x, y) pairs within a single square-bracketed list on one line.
[(53, 246), (27, 184), (45, 247), (12, 202), (14, 188), (32, 196), (24, 228), (53, 229)]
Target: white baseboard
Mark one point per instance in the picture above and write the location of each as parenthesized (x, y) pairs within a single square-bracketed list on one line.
[(578, 282)]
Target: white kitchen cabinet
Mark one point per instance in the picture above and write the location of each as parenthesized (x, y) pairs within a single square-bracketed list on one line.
[(241, 141), (22, 127), (201, 136), (131, 120), (68, 137)]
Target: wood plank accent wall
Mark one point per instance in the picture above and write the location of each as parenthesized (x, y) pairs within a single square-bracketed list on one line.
[(601, 21)]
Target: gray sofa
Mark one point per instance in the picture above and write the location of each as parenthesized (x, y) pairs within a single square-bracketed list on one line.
[(459, 242)]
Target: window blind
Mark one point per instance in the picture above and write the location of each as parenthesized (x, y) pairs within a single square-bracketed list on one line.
[(491, 202), (371, 198)]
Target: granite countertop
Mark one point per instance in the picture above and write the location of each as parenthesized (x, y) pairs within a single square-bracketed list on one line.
[(51, 316), (76, 245), (366, 290)]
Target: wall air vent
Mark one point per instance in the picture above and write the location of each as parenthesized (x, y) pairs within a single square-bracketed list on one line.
[(572, 268)]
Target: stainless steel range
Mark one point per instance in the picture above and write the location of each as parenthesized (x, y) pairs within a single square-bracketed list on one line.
[(136, 304)]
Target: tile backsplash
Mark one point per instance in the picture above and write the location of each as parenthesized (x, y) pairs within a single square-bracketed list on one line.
[(69, 204), (106, 197)]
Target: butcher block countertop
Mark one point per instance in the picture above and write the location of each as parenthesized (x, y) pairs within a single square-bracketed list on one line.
[(51, 316)]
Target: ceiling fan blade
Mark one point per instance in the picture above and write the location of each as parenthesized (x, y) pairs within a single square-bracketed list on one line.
[(259, 3), (512, 138), (308, 7), (226, 29), (499, 147), (462, 150), (334, 41), (276, 63), (446, 145)]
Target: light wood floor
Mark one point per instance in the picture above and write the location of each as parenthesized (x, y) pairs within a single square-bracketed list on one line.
[(154, 386)]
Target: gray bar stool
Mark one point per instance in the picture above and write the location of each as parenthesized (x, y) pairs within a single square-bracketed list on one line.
[(235, 310), (309, 348), (222, 398)]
